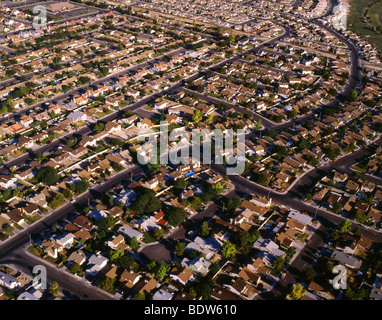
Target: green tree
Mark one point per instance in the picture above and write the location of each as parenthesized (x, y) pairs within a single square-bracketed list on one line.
[(125, 262), (75, 268), (107, 199), (337, 207), (158, 233), (180, 247), (114, 255), (162, 269), (53, 289), (56, 201), (278, 264), (139, 296), (310, 274), (99, 126), (146, 202), (47, 175), (67, 194), (175, 216), (107, 285), (231, 38), (152, 265), (345, 226), (298, 291), (82, 186), (180, 183), (204, 232), (229, 250), (133, 243), (197, 116), (196, 203)]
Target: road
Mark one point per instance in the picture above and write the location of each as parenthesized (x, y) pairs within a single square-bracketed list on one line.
[(12, 250)]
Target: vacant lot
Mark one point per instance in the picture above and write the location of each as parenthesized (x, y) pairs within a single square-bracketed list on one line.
[(366, 23)]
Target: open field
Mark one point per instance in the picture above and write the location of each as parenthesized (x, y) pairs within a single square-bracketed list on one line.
[(366, 24)]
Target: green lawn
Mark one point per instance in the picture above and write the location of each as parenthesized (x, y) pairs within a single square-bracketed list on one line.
[(357, 23), (148, 238)]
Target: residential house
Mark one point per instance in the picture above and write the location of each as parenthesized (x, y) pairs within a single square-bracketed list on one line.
[(95, 264)]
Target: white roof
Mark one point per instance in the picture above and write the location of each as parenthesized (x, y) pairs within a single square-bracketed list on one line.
[(97, 260), (77, 115), (269, 246), (162, 295), (26, 296), (146, 224), (129, 232), (303, 218)]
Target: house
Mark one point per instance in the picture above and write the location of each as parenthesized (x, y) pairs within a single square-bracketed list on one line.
[(158, 218), (268, 246), (145, 123), (302, 218), (8, 281), (182, 295), (78, 257), (237, 286), (129, 279), (83, 222), (95, 264), (181, 274), (146, 285), (65, 240), (130, 232), (165, 293), (97, 215), (51, 248), (82, 234), (117, 242), (247, 275), (81, 100), (116, 212), (284, 239), (296, 225), (7, 181), (352, 186), (79, 151), (198, 265), (347, 260), (31, 294), (146, 224), (39, 199), (257, 266), (221, 293), (30, 209), (16, 216), (77, 116)]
